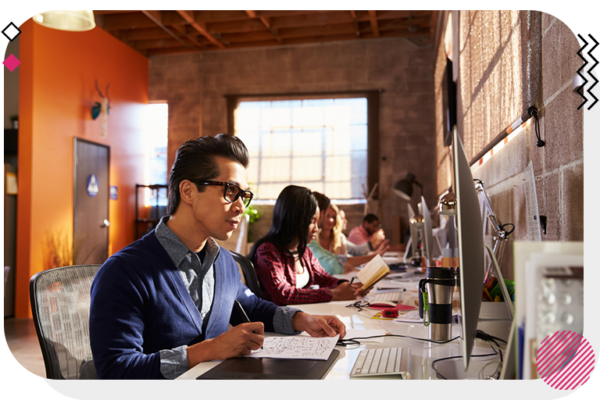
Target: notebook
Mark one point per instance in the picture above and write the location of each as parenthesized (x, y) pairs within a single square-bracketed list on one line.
[(373, 272)]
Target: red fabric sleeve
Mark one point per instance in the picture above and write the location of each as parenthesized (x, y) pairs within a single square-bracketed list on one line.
[(277, 275)]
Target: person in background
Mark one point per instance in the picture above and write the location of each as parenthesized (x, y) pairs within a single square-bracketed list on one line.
[(323, 202), (370, 232), (287, 270), (332, 249), (366, 231)]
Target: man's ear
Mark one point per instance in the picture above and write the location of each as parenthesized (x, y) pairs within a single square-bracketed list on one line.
[(186, 191)]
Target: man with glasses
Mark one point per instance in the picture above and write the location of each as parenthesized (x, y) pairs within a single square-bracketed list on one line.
[(163, 304)]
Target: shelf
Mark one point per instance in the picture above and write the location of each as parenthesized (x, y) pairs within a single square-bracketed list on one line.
[(154, 211), (11, 142)]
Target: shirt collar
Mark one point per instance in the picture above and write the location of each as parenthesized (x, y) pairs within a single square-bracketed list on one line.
[(176, 249)]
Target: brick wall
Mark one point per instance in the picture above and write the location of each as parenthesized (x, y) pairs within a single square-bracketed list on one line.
[(195, 85), (510, 61), (178, 81)]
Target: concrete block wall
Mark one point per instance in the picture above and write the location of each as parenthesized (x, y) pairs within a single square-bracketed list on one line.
[(403, 71), (540, 46)]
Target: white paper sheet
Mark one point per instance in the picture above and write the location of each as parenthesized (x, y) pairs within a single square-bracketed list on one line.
[(296, 347)]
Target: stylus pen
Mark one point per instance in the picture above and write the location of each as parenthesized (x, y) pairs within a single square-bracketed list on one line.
[(242, 313)]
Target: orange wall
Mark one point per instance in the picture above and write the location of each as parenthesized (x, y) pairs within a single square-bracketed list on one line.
[(57, 91)]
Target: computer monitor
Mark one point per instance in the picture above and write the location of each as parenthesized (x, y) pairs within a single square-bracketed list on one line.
[(413, 242), (470, 248), (427, 234)]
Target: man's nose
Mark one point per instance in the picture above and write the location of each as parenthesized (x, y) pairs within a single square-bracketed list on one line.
[(239, 205)]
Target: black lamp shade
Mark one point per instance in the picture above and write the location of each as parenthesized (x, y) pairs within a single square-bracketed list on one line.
[(404, 187)]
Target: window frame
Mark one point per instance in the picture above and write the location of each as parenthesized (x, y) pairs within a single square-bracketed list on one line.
[(372, 97)]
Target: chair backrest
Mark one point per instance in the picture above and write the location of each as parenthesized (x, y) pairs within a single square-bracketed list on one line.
[(60, 302), (249, 273)]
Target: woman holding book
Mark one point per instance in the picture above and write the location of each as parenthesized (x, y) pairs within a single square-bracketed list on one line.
[(287, 270), (335, 253)]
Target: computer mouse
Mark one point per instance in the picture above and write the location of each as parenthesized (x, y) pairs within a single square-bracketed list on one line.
[(384, 304)]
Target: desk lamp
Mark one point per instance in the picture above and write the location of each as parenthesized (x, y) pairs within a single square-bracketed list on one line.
[(404, 187), (417, 224), (501, 236), (447, 207)]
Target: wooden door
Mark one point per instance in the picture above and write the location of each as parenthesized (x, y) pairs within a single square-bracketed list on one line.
[(90, 208)]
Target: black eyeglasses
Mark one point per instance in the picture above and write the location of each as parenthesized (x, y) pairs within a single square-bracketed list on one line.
[(231, 191)]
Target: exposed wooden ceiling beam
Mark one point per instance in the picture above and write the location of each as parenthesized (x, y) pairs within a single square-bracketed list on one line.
[(133, 20), (104, 12), (259, 36), (156, 17), (266, 23), (180, 32), (317, 31), (432, 25), (374, 26), (200, 28), (142, 34), (191, 38), (355, 23)]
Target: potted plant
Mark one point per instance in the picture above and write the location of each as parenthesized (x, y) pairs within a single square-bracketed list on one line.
[(253, 217), (14, 120)]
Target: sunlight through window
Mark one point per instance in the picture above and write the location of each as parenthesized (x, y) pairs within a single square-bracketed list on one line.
[(320, 144)]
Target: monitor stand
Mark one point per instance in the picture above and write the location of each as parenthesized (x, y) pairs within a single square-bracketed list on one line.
[(507, 301)]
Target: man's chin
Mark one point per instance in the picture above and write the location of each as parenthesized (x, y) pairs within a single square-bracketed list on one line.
[(223, 236)]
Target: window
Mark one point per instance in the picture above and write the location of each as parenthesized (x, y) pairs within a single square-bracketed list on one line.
[(317, 143), (156, 139)]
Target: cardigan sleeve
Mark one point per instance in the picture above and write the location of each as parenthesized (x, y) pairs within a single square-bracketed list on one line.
[(273, 271), (117, 321)]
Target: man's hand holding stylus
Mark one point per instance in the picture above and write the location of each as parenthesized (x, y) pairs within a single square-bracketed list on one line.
[(237, 341)]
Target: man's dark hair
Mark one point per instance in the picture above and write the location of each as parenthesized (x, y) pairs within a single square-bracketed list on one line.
[(322, 200), (195, 161), (293, 210), (369, 218)]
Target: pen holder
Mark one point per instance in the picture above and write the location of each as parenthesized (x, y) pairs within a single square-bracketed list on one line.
[(435, 302)]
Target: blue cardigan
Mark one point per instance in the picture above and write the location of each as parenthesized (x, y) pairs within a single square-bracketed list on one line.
[(139, 306)]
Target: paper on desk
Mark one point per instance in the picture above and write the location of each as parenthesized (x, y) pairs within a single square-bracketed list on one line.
[(296, 347), (392, 285), (411, 317)]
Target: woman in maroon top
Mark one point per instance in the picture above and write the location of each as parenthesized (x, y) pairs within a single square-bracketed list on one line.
[(287, 270)]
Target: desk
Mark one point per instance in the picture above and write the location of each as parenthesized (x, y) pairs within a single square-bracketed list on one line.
[(423, 353)]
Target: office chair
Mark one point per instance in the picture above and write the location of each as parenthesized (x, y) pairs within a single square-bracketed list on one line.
[(249, 273), (60, 303)]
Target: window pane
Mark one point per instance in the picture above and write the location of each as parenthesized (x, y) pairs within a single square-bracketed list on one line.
[(320, 144)]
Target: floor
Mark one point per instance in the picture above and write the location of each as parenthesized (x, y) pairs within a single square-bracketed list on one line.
[(23, 343)]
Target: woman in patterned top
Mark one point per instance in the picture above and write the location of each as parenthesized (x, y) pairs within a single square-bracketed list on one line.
[(287, 270)]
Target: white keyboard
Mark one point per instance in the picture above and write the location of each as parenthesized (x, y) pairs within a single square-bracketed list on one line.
[(389, 296), (379, 362)]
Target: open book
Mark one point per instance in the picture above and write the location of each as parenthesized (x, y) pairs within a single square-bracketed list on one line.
[(373, 272)]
